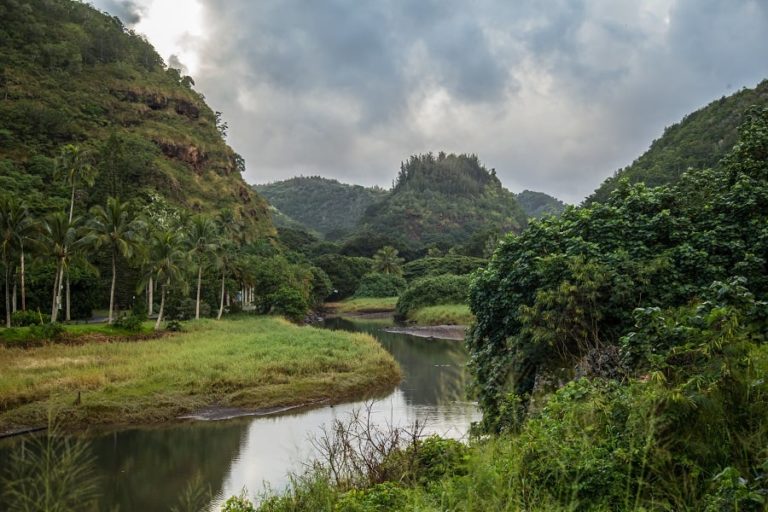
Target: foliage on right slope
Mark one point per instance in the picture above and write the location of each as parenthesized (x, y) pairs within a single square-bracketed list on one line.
[(658, 294), (698, 141)]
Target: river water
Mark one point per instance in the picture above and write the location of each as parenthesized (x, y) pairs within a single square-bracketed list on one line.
[(147, 469)]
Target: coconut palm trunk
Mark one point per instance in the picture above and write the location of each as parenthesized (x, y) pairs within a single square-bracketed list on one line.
[(221, 301), (112, 289), (57, 290), (23, 287), (150, 296), (199, 283), (162, 307), (7, 300), (69, 301)]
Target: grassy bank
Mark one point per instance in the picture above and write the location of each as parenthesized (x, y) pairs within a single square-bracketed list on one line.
[(445, 314), (250, 362), (71, 333), (363, 305)]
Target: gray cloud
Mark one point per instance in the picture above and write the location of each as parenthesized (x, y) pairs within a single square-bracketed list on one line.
[(555, 95)]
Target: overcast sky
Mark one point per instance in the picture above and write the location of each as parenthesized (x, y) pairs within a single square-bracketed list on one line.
[(555, 95)]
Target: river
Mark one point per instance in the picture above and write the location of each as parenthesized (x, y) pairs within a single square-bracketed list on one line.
[(147, 468)]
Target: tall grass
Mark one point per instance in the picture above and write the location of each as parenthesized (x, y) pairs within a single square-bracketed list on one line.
[(364, 305), (250, 362), (51, 473), (445, 314)]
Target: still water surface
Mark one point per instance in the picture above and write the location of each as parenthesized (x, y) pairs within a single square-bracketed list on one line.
[(147, 469)]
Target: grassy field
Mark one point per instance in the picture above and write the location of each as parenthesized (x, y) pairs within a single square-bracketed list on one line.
[(363, 305), (447, 314), (249, 362)]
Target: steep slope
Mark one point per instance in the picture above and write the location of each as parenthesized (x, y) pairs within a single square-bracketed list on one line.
[(327, 206), (443, 200), (538, 204), (700, 140), (71, 74)]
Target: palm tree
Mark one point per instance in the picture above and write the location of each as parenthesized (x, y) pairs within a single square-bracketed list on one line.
[(59, 238), (201, 239), (116, 228), (16, 227), (74, 164), (386, 261), (167, 259), (224, 260), (26, 232)]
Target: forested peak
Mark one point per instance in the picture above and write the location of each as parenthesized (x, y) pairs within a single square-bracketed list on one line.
[(64, 36), (312, 181), (324, 205), (451, 174), (537, 204), (698, 141)]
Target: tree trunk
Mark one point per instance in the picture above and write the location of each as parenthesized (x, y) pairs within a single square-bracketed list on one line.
[(150, 296), (57, 290), (197, 301), (112, 291), (72, 202), (23, 286), (221, 302), (7, 300), (69, 316), (162, 306), (13, 296)]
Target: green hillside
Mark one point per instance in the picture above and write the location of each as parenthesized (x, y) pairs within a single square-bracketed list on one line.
[(326, 206), (538, 204), (71, 74), (444, 200), (699, 141)]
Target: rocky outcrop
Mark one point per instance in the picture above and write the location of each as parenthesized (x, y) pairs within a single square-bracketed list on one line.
[(157, 101), (184, 152), (185, 108)]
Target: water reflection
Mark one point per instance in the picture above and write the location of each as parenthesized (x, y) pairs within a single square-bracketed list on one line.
[(433, 370), (147, 469)]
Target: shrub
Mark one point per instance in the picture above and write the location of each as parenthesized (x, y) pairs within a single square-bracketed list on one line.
[(26, 318), (322, 286), (380, 285), (131, 322), (239, 503), (383, 497), (289, 302), (174, 326), (431, 291), (46, 331)]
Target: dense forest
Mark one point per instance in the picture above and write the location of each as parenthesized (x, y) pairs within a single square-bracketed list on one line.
[(323, 205), (700, 140)]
